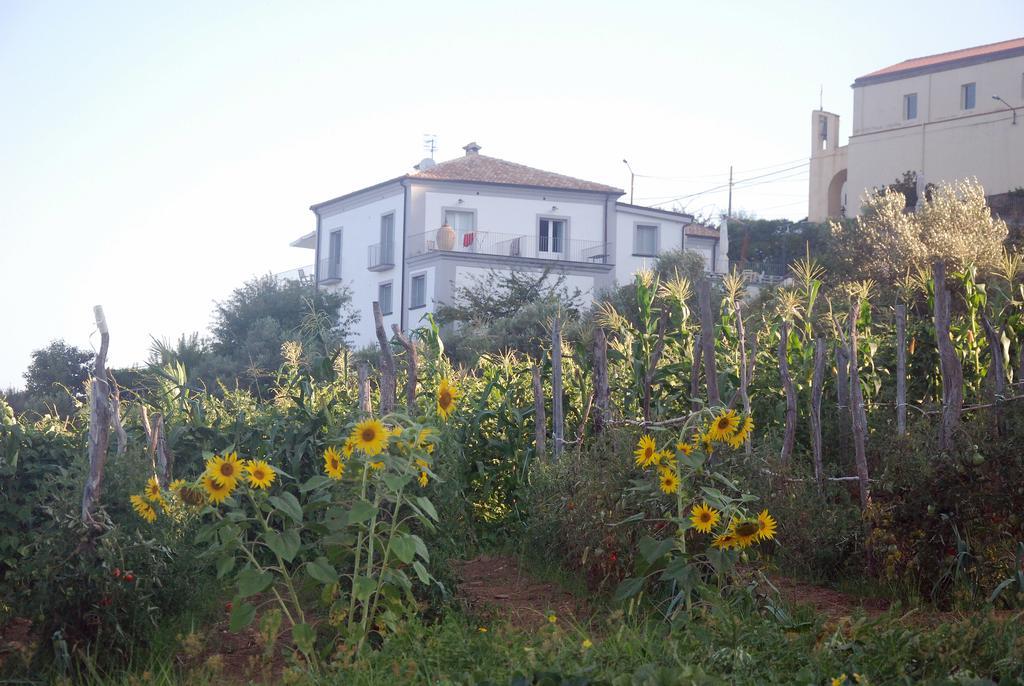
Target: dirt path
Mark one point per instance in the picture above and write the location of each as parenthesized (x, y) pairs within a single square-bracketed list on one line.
[(494, 587), (826, 601)]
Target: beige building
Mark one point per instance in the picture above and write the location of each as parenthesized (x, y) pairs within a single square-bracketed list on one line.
[(950, 116)]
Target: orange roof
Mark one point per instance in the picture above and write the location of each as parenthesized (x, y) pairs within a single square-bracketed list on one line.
[(481, 168), (945, 60)]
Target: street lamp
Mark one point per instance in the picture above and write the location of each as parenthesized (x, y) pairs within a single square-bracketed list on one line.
[(1011, 107), (633, 176)]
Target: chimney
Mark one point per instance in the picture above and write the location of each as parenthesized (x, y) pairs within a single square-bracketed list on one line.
[(471, 149)]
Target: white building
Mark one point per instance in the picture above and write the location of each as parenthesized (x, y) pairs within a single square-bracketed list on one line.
[(409, 241), (945, 117)]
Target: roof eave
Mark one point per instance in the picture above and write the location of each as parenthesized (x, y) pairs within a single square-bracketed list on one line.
[(875, 77)]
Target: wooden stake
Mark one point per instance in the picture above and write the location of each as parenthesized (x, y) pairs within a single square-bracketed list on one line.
[(557, 418), (539, 418), (741, 334), (997, 370), (99, 424), (817, 388), (601, 393), (949, 363), (365, 405), (858, 416), (695, 373), (901, 368), (411, 371), (388, 375), (789, 431), (707, 327)]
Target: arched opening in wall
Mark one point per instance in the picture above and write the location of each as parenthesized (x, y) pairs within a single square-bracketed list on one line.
[(836, 206)]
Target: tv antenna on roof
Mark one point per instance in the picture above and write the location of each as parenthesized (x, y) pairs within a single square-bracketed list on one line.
[(430, 143)]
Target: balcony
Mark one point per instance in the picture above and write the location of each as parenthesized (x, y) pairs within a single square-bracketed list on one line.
[(330, 271), (761, 273), (380, 257), (512, 245)]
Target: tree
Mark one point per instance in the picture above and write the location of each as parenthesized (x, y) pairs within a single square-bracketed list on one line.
[(503, 310), (954, 225), (56, 377), (250, 326), (907, 187)]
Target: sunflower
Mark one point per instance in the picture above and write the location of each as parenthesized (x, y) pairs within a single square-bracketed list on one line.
[(215, 491), (152, 490), (745, 532), (333, 464), (724, 541), (423, 440), (225, 470), (349, 447), (176, 487), (704, 518), (646, 452), (192, 495), (260, 475), (446, 397), (667, 460), (370, 436), (684, 447), (668, 481), (724, 426), (143, 508), (766, 526), (377, 465), (423, 479), (746, 428)]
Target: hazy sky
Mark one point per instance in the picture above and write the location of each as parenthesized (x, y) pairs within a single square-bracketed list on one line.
[(155, 155)]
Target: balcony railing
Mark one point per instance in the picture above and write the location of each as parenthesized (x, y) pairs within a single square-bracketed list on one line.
[(380, 257), (760, 272), (512, 245), (301, 274), (330, 271)]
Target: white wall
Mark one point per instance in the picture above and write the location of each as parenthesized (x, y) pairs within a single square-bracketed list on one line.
[(359, 221), (413, 316), (517, 212), (670, 237), (944, 142)]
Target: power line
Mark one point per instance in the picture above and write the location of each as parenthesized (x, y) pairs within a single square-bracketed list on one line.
[(720, 175), (734, 184)]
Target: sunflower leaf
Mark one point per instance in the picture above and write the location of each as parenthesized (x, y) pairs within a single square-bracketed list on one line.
[(287, 504), (403, 547), (313, 483), (653, 550), (242, 615), (225, 565), (321, 570), (363, 587), (252, 581), (628, 588), (427, 507), (305, 637), (284, 544), (361, 512), (421, 572)]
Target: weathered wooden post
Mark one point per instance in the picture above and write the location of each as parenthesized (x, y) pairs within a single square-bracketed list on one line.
[(707, 328), (388, 375), (99, 423), (817, 388), (557, 418), (789, 431), (997, 371), (949, 363), (365, 406), (115, 409), (539, 417), (412, 366), (601, 393), (695, 373), (160, 456), (741, 334), (652, 365), (901, 368), (858, 415)]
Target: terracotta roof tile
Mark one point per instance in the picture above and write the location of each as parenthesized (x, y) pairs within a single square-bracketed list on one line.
[(700, 230), (947, 60), (483, 169)]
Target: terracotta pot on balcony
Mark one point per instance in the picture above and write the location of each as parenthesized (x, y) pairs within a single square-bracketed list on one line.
[(446, 237)]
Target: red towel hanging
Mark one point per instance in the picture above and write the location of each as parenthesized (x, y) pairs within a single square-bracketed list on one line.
[(467, 239)]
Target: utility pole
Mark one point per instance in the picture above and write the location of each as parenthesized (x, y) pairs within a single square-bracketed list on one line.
[(632, 177), (729, 213)]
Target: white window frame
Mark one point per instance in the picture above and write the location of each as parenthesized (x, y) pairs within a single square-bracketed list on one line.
[(413, 278), (973, 87), (636, 238), (547, 247), (906, 106), (387, 239), (386, 306)]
